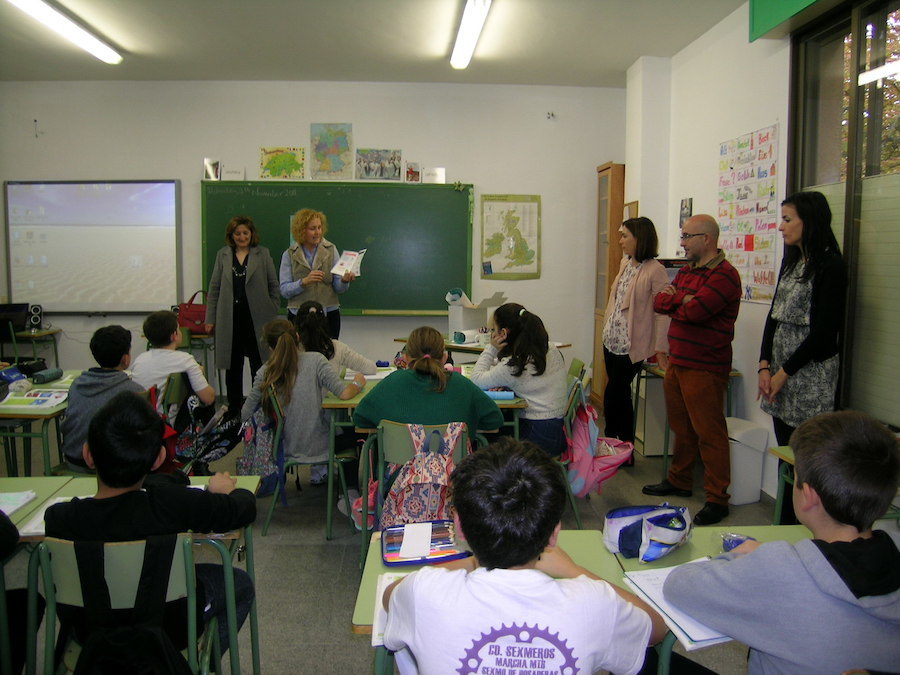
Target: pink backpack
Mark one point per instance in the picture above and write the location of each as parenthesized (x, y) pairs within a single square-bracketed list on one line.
[(593, 460), (419, 492)]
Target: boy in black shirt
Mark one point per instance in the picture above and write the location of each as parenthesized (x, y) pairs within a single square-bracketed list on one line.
[(124, 444)]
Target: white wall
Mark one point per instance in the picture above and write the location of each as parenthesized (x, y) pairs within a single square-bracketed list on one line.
[(722, 87), (497, 137), (648, 113)]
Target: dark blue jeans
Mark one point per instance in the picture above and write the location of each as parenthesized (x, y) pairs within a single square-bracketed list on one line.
[(549, 435), (212, 579)]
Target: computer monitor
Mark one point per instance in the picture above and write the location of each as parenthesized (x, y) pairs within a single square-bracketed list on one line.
[(15, 313)]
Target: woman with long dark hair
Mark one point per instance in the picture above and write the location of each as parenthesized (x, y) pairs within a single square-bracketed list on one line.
[(798, 360), (520, 357)]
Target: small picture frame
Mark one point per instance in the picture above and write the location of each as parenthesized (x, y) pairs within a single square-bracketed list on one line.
[(631, 210)]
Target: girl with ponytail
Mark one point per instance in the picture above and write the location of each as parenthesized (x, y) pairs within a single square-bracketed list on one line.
[(520, 357), (298, 377), (426, 393), (312, 326)]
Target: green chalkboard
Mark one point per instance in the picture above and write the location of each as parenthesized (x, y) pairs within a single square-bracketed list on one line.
[(418, 237)]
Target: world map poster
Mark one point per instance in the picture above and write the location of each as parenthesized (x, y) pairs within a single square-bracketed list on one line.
[(331, 150), (510, 236), (748, 212)]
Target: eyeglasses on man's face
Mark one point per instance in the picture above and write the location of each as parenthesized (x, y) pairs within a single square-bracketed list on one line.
[(685, 236)]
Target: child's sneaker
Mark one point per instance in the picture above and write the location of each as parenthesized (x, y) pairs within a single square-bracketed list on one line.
[(318, 474)]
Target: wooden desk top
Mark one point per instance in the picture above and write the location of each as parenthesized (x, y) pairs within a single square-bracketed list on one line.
[(8, 411), (585, 546), (783, 452), (332, 402), (708, 541), (656, 371), (37, 334), (45, 487), (477, 348)]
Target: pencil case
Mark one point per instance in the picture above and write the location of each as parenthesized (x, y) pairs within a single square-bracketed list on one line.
[(501, 395), (444, 545)]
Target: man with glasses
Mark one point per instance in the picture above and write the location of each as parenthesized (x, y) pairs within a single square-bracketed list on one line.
[(703, 303)]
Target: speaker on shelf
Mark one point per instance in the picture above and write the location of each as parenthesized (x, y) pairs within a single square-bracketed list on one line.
[(35, 317)]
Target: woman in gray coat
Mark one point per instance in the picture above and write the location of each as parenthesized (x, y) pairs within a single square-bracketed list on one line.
[(243, 297)]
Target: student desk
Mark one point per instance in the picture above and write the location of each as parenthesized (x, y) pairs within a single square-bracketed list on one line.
[(39, 336), (585, 546), (45, 487), (651, 371), (87, 486), (475, 348), (338, 419), (786, 478), (25, 416), (707, 541)]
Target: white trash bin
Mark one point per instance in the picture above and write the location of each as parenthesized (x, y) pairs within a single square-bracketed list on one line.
[(748, 448)]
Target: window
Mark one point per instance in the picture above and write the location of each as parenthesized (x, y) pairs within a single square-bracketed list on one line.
[(846, 124)]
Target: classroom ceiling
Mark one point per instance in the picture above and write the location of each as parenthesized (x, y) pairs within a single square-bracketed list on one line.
[(550, 42)]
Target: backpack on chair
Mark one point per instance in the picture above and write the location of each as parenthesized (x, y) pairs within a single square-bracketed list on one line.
[(419, 492)]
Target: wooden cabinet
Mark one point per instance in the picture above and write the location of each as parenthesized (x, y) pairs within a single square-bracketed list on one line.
[(610, 207)]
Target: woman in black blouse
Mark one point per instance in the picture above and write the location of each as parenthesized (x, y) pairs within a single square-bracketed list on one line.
[(798, 360), (243, 297)]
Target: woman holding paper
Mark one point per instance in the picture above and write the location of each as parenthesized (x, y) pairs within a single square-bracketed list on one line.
[(305, 272), (243, 297)]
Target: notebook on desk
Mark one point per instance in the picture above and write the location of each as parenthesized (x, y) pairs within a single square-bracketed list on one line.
[(692, 634)]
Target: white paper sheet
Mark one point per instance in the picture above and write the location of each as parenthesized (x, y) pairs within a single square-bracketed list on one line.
[(691, 633)]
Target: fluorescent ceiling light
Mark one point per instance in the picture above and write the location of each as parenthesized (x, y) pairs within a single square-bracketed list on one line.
[(63, 25), (887, 70), (474, 14)]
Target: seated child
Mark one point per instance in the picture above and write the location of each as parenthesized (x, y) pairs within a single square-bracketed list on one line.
[(425, 393), (521, 358), (124, 444), (312, 326), (315, 336), (111, 348), (521, 599), (827, 604), (154, 366), (299, 378), (16, 598)]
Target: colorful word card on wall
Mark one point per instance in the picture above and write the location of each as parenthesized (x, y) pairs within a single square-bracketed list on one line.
[(748, 209)]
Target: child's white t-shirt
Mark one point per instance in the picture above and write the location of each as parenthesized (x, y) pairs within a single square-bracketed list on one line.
[(502, 620), (153, 367)]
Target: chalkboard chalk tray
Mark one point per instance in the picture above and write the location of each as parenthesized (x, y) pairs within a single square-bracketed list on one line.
[(418, 237)]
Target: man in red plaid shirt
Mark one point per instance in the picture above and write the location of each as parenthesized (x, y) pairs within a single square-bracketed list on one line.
[(703, 303)]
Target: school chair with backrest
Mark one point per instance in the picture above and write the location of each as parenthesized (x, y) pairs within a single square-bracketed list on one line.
[(576, 368), (140, 575), (392, 444), (283, 464), (575, 397)]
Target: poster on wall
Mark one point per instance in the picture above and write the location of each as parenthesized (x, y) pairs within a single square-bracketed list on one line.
[(331, 151), (510, 237), (281, 162), (372, 164), (748, 209)]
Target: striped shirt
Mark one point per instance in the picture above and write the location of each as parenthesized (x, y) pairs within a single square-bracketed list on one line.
[(702, 328)]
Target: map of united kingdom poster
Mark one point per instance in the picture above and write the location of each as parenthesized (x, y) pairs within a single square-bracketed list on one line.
[(332, 150), (510, 236)]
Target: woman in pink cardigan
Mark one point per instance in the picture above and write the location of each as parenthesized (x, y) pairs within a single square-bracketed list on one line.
[(632, 332)]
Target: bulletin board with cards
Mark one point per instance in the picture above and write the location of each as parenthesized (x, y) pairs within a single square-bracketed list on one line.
[(748, 211)]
